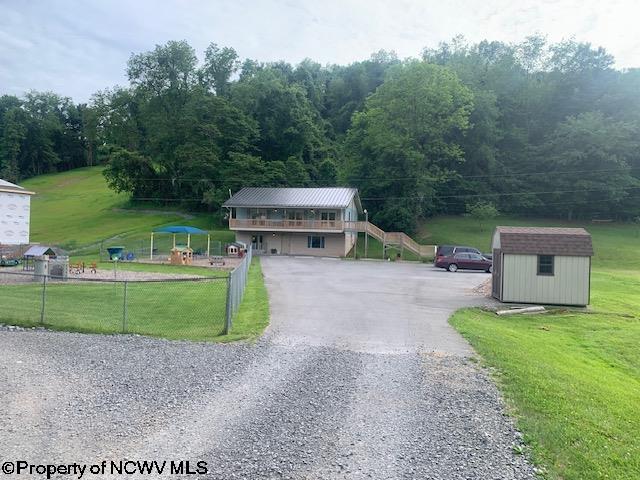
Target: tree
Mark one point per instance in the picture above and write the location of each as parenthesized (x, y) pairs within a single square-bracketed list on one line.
[(482, 211), (543, 129), (401, 145), (289, 125), (219, 65), (599, 151), (14, 133), (167, 68)]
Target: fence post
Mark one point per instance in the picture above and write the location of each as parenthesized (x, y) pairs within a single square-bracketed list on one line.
[(44, 298), (124, 309), (227, 322)]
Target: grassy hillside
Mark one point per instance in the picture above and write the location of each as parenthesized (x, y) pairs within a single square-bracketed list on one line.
[(77, 211), (617, 245)]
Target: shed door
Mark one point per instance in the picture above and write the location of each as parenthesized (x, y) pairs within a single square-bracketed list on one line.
[(496, 277)]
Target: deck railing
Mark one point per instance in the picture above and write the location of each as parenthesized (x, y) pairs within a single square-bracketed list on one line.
[(267, 223)]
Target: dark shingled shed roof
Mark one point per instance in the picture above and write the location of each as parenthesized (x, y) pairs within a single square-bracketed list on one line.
[(545, 241)]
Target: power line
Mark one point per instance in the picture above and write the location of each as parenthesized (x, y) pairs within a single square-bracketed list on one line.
[(413, 177), (436, 197), (479, 195)]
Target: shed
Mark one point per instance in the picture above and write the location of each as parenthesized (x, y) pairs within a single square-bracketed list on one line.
[(39, 250), (545, 265)]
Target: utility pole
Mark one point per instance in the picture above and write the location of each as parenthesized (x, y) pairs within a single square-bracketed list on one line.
[(366, 233)]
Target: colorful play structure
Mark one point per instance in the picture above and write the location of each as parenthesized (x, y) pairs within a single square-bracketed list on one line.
[(181, 254)]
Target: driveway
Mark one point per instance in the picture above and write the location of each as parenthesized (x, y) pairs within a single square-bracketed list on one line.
[(368, 306), (365, 382)]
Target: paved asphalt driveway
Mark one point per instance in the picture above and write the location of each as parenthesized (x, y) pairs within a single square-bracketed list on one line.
[(359, 377), (369, 306)]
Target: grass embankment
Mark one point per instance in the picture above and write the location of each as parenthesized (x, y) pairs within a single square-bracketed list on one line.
[(77, 211), (572, 380)]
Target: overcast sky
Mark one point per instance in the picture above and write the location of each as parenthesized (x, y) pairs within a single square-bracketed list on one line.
[(76, 47)]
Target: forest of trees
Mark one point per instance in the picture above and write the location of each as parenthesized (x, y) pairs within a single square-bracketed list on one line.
[(540, 129)]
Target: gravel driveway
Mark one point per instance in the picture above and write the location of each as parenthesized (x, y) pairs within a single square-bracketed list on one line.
[(303, 403)]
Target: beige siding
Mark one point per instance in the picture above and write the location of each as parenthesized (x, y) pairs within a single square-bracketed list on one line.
[(568, 286), (335, 245)]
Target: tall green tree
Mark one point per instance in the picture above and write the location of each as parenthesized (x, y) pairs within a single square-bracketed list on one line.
[(600, 151), (402, 145), (289, 126), (219, 65)]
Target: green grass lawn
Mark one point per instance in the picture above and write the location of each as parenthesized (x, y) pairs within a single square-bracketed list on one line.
[(189, 310), (571, 379), (573, 383), (174, 310), (253, 316)]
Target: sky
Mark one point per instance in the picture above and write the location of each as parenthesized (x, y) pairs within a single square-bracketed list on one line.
[(77, 47)]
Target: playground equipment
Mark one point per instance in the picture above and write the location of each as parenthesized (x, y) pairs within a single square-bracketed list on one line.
[(181, 255), (116, 253), (181, 229)]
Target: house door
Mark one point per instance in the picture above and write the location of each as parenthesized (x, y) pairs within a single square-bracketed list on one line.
[(496, 277), (257, 244)]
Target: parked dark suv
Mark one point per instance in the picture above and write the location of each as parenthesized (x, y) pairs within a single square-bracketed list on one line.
[(464, 261), (449, 250)]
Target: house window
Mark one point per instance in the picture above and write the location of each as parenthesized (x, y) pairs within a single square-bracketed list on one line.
[(328, 216), (314, 241), (545, 265), (258, 213)]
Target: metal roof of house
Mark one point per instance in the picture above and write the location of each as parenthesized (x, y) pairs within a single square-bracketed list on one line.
[(545, 241), (13, 188), (334, 197)]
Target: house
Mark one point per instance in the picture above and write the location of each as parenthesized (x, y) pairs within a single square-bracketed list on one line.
[(15, 212), (542, 265), (296, 221)]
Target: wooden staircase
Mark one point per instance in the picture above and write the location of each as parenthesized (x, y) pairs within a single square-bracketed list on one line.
[(399, 240)]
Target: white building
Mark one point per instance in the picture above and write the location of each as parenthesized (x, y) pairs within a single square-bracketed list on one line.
[(15, 214)]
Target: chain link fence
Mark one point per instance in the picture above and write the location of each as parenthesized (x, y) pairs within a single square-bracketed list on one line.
[(198, 308), (238, 279)]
